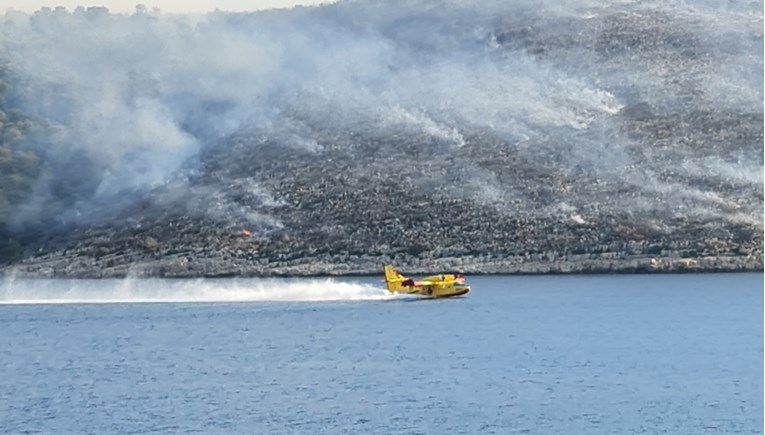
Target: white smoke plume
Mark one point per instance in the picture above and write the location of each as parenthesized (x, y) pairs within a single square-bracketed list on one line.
[(131, 100)]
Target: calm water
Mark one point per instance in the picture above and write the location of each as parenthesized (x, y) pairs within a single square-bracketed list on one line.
[(584, 354)]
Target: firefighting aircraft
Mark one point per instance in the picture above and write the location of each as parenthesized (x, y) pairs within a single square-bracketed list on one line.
[(436, 286)]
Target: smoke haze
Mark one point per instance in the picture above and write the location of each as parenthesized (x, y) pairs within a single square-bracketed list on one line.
[(127, 104), (166, 6)]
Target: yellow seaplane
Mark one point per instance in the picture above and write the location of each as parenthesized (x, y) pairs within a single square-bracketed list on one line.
[(436, 286)]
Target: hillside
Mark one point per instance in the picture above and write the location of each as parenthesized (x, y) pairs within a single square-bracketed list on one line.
[(596, 137)]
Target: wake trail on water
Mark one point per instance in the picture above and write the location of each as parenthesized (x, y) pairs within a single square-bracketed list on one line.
[(128, 290)]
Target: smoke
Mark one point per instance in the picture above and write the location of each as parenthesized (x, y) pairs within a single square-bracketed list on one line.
[(128, 103)]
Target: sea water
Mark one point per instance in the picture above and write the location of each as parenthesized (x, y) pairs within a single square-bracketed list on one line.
[(679, 354)]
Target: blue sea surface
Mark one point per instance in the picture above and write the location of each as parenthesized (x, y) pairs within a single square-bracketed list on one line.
[(677, 354)]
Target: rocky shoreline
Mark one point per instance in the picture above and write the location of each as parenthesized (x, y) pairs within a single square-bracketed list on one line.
[(242, 256), (180, 268)]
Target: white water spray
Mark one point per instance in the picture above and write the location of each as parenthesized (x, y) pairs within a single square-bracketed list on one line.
[(129, 290)]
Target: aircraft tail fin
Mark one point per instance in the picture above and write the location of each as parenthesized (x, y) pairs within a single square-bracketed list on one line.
[(394, 280)]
